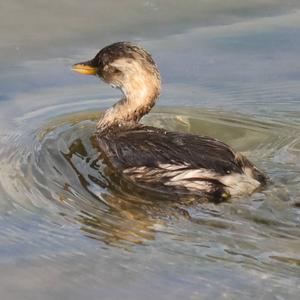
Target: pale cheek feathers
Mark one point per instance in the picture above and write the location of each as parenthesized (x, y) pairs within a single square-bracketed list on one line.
[(138, 78)]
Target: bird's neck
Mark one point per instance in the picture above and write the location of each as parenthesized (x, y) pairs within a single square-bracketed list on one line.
[(140, 95)]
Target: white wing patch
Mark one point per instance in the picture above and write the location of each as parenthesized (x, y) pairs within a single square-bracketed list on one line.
[(194, 180)]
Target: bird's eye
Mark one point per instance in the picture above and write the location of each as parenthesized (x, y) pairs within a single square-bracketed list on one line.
[(111, 69), (115, 70)]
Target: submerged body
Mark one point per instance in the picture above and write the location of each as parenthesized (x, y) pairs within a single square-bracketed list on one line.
[(153, 158)]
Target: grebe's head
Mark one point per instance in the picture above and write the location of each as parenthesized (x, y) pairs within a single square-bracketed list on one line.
[(127, 66)]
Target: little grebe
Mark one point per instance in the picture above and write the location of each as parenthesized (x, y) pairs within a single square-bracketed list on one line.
[(153, 158)]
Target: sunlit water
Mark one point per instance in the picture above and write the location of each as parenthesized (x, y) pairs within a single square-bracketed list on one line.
[(69, 231)]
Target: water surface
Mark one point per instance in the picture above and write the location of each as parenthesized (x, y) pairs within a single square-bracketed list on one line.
[(230, 70)]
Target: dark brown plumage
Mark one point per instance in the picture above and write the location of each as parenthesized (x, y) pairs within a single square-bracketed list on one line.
[(152, 158)]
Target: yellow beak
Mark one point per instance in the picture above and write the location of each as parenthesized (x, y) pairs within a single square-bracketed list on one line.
[(85, 69)]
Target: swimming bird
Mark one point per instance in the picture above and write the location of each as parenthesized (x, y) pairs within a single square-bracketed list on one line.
[(156, 159)]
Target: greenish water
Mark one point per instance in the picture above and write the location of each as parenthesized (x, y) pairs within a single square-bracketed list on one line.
[(230, 70)]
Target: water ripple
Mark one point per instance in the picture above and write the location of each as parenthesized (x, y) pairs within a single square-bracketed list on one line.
[(55, 171)]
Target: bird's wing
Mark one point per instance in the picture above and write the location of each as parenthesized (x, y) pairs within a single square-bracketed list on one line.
[(156, 148)]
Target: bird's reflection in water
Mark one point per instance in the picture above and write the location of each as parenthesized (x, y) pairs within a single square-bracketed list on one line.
[(117, 216)]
